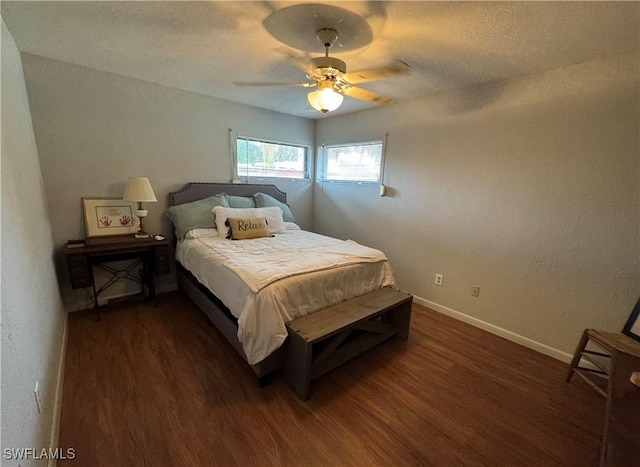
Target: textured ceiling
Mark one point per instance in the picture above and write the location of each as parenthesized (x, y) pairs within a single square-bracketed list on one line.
[(206, 46)]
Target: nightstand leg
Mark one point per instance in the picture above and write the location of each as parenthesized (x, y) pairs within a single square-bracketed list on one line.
[(152, 290), (95, 296), (148, 279)]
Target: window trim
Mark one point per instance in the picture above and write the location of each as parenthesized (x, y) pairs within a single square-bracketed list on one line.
[(307, 160), (322, 170)]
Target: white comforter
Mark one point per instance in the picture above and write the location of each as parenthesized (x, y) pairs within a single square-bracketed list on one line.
[(267, 282)]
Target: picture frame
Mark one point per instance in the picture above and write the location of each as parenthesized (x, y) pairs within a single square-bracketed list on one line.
[(108, 216), (632, 326)]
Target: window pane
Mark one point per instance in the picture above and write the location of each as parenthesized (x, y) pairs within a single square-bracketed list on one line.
[(266, 160), (355, 162)]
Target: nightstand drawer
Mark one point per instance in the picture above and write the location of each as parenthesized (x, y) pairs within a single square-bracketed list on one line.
[(161, 258)]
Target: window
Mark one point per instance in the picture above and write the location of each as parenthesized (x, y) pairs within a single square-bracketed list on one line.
[(269, 159), (353, 162)]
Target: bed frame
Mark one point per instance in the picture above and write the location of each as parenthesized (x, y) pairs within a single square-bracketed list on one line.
[(218, 314)]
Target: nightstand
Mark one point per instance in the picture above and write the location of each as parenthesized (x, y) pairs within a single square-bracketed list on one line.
[(149, 254)]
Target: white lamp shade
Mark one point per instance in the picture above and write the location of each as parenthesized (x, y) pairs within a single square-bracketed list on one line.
[(139, 190), (325, 99)]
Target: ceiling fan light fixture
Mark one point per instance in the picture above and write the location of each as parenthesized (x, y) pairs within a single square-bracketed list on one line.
[(325, 99)]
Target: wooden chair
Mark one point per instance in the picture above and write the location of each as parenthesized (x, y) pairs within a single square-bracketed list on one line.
[(598, 373), (612, 370)]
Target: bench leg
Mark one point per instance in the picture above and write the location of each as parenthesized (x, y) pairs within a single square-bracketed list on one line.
[(400, 317), (297, 367)]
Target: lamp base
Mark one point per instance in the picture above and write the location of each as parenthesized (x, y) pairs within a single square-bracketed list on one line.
[(141, 214)]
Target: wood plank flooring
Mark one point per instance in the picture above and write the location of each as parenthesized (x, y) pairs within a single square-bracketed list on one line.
[(159, 387)]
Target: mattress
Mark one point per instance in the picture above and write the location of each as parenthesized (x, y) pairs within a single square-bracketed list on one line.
[(267, 282)]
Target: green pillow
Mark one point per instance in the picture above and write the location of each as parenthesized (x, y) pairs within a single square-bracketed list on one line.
[(266, 201), (195, 215), (240, 202)]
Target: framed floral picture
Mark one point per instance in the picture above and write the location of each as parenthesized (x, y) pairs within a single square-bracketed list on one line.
[(104, 217)]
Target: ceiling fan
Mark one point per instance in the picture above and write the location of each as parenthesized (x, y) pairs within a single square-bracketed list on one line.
[(333, 82)]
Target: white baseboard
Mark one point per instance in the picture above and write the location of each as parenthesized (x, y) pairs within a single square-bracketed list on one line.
[(511, 336), (57, 403)]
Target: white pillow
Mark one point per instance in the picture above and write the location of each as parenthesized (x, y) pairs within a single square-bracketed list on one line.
[(291, 226), (272, 214), (201, 233)]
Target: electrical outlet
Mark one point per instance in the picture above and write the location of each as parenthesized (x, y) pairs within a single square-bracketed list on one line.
[(475, 290), (439, 279), (36, 392)]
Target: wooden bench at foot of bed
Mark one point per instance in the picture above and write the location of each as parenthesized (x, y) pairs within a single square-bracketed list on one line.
[(324, 340)]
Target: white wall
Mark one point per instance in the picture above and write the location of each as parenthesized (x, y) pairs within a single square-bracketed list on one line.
[(33, 317), (528, 188), (95, 129)]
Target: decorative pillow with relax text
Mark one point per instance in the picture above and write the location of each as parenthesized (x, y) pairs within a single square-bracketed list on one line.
[(273, 215), (243, 229)]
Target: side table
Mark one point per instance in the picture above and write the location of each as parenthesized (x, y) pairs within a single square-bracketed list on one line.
[(151, 254)]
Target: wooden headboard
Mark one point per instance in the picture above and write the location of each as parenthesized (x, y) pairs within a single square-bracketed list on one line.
[(194, 191)]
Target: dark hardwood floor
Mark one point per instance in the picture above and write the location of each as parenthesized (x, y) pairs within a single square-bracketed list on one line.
[(158, 387)]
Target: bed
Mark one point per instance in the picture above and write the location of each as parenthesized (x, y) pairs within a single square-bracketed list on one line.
[(250, 306)]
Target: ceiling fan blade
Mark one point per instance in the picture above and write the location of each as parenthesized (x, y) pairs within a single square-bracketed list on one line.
[(396, 68), (300, 84), (365, 95)]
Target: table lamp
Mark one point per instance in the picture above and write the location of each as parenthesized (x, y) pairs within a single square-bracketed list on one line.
[(139, 190)]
